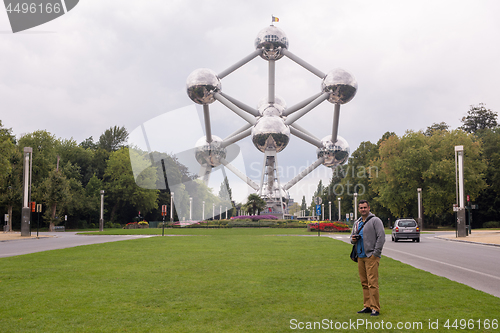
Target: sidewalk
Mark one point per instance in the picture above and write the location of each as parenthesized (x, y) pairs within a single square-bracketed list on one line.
[(15, 235), (490, 237)]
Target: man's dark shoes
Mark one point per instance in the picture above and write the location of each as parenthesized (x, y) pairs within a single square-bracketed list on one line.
[(375, 313), (365, 310)]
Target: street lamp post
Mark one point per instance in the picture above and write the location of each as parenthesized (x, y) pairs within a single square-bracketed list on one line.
[(101, 220), (340, 216), (459, 160), (26, 210), (203, 212), (190, 209), (322, 212), (220, 212), (330, 210), (355, 206), (171, 208), (419, 199)]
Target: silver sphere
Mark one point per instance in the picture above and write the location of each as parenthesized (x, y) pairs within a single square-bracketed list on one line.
[(201, 85), (270, 132), (271, 40), (271, 110), (278, 100), (334, 153), (341, 85), (209, 153)]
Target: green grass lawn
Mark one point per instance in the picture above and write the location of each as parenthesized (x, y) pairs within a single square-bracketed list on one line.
[(227, 280)]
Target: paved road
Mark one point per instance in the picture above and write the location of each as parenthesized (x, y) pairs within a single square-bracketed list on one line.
[(58, 240), (475, 265)]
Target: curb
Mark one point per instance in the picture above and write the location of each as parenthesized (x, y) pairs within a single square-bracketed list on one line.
[(465, 241)]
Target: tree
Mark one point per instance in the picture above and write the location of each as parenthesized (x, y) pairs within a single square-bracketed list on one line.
[(303, 205), (442, 126), (93, 198), (56, 195), (417, 161), (479, 118), (88, 143), (121, 188), (255, 204), (225, 192), (113, 138), (489, 198), (10, 171)]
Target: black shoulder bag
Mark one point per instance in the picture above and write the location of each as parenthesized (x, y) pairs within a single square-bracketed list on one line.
[(354, 252)]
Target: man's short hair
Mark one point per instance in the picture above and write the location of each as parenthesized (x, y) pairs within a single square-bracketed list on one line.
[(364, 201)]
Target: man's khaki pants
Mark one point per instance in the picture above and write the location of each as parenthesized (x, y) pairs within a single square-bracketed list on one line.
[(368, 274)]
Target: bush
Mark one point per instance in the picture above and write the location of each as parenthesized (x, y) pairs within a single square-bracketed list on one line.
[(254, 217), (491, 224)]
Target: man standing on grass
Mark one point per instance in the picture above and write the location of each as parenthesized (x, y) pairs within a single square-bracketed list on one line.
[(369, 236)]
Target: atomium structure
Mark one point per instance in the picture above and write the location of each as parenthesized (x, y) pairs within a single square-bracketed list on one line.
[(271, 122)]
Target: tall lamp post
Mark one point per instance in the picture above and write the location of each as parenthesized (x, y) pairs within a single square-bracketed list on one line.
[(171, 208), (459, 164), (330, 210), (203, 212), (26, 210), (340, 219), (101, 220), (190, 209), (419, 199), (355, 206)]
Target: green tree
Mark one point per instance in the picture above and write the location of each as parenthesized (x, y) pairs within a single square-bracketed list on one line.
[(121, 188), (255, 204), (113, 139), (10, 172), (93, 199), (489, 197), (479, 118), (225, 192), (417, 161), (442, 126), (303, 206), (55, 196)]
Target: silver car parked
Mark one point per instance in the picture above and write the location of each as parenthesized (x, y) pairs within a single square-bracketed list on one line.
[(405, 229)]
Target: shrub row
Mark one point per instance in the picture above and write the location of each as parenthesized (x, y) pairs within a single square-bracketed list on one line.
[(491, 224)]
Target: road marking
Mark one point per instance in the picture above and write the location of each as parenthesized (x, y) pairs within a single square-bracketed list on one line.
[(445, 263)]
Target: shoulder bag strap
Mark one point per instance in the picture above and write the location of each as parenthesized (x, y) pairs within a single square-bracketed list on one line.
[(364, 223)]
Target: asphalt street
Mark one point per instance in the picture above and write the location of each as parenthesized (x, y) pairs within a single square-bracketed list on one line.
[(475, 265), (57, 240)]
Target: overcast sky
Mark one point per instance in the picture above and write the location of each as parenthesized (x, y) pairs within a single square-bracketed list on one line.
[(123, 62)]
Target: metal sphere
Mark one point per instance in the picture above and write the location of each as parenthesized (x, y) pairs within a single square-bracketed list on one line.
[(271, 40), (271, 110), (278, 100), (270, 132), (334, 153), (341, 85), (201, 85), (209, 153)]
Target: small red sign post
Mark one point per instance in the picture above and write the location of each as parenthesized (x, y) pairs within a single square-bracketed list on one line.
[(163, 213)]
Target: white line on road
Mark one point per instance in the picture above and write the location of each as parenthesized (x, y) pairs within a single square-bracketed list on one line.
[(445, 263)]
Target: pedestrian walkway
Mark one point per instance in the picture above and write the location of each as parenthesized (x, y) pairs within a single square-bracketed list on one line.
[(490, 237), (9, 236)]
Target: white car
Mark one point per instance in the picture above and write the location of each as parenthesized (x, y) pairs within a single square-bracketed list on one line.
[(406, 229)]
